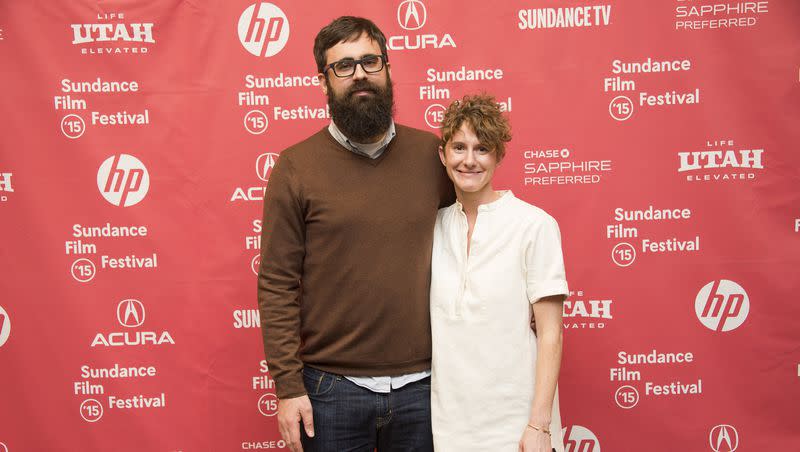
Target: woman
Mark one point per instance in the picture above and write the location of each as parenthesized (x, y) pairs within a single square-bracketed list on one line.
[(496, 262)]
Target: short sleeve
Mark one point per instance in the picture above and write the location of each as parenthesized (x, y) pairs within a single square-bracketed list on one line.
[(544, 262)]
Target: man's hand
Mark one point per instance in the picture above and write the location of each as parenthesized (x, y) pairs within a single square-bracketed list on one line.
[(290, 413)]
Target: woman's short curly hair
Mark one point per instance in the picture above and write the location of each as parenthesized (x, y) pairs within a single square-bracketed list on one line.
[(483, 115)]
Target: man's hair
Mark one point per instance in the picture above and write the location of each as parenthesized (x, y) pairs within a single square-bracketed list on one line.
[(483, 115), (345, 29)]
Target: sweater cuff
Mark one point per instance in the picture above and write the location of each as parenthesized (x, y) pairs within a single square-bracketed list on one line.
[(290, 386)]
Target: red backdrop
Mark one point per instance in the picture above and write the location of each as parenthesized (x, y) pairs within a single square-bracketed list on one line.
[(137, 138)]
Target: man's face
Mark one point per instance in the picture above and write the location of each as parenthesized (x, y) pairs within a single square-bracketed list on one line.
[(355, 50), (361, 104)]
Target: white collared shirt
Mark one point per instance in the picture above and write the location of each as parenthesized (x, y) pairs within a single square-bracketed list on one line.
[(371, 150)]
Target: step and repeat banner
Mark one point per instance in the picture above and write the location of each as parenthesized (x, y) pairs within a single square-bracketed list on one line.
[(137, 138)]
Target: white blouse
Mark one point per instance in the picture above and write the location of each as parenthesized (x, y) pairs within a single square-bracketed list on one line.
[(484, 352)]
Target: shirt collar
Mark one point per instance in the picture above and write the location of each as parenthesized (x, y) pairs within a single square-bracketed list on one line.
[(504, 195), (371, 150)]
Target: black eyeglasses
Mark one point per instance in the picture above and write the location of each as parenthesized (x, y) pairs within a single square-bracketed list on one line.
[(347, 67)]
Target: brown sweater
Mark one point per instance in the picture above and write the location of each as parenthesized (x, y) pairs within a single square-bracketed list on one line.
[(356, 235)]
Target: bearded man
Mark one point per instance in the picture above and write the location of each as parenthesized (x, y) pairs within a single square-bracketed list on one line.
[(343, 288)]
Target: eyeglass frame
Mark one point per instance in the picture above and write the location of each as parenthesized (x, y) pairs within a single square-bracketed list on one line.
[(359, 62)]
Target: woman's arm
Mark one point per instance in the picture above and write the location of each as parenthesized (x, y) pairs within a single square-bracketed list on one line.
[(548, 312), (548, 360)]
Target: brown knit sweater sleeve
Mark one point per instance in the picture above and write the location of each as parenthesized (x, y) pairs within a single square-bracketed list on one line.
[(282, 254), (447, 193)]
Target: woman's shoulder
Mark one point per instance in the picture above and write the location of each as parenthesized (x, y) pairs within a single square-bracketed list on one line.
[(446, 211), (529, 213)]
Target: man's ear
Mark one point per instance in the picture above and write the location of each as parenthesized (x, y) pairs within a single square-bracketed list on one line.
[(322, 84), (441, 154)]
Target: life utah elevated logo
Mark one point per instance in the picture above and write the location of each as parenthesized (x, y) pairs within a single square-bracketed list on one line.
[(113, 33)]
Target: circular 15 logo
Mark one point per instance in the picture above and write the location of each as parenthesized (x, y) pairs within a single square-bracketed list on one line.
[(722, 305), (91, 410), (263, 29), (434, 115), (268, 404)]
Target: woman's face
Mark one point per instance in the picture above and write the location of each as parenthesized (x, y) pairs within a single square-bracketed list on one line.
[(469, 163)]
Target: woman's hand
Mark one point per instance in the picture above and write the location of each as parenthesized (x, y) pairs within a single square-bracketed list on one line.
[(534, 441)]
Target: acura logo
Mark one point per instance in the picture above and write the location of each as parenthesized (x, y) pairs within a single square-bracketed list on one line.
[(130, 313), (264, 165), (723, 438), (411, 14)]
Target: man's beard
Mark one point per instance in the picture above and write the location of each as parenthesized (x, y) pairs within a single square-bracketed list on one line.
[(364, 117)]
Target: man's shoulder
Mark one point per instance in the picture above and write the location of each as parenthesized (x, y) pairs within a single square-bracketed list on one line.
[(307, 147), (414, 134)]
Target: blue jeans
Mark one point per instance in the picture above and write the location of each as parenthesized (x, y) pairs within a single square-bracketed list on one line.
[(348, 417)]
